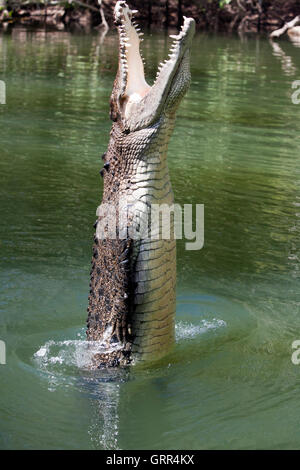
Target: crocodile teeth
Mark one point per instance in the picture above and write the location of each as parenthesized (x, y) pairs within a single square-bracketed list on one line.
[(130, 36)]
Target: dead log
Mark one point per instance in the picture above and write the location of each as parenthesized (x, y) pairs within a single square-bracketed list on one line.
[(279, 32)]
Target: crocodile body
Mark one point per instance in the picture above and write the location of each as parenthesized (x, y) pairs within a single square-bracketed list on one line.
[(132, 291)]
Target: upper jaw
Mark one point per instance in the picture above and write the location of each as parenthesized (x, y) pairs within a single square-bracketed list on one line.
[(139, 104)]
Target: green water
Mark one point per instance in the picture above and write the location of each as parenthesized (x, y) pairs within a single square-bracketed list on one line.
[(230, 382)]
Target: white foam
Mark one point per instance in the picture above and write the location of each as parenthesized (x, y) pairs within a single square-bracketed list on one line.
[(41, 352), (76, 353), (184, 330)]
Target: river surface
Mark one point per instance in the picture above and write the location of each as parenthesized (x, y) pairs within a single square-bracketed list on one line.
[(230, 382)]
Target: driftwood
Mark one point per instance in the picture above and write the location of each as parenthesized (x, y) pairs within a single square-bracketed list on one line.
[(279, 32)]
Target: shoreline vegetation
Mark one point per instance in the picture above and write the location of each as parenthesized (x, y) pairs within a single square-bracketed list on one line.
[(242, 16)]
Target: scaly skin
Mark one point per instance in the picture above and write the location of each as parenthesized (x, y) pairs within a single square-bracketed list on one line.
[(132, 296)]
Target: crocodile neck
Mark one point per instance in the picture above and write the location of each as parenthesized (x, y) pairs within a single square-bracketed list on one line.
[(134, 162)]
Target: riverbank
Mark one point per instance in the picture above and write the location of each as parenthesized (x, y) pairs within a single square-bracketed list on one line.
[(210, 15)]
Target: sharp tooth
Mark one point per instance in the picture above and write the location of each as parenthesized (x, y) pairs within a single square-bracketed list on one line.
[(173, 36), (134, 11)]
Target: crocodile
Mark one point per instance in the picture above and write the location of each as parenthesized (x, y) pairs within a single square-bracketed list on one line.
[(131, 312)]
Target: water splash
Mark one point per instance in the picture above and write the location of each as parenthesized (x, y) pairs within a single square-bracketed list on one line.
[(184, 330), (78, 353)]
